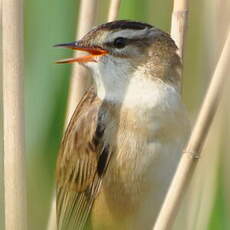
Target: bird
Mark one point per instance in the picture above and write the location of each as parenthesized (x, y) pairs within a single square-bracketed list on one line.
[(125, 138)]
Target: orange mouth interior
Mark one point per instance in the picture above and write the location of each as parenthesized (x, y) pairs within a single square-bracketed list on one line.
[(94, 52)]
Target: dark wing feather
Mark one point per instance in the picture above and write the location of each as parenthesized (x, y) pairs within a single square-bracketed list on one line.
[(82, 161)]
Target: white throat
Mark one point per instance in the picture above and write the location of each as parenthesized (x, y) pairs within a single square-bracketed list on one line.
[(119, 82)]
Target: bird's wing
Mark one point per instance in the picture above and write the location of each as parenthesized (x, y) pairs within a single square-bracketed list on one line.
[(82, 161)]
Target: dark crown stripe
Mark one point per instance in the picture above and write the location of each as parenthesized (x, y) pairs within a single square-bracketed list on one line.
[(123, 24)]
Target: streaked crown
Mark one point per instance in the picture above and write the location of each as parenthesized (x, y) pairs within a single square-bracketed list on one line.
[(127, 38)]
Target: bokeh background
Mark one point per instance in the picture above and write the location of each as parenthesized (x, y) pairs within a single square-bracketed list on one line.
[(207, 204)]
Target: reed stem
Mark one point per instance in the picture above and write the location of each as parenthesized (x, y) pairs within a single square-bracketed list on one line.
[(1, 131), (13, 116), (80, 80), (114, 10), (179, 23)]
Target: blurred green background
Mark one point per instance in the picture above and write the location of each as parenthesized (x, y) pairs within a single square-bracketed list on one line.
[(46, 89)]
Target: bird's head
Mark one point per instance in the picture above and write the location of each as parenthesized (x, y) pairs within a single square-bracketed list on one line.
[(124, 47)]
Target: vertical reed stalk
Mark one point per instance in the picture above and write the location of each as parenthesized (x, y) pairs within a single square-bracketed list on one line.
[(52, 222), (193, 150), (179, 23), (13, 116), (1, 130), (114, 10), (80, 80)]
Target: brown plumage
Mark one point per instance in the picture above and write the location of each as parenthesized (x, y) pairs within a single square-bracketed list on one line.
[(82, 161), (122, 145)]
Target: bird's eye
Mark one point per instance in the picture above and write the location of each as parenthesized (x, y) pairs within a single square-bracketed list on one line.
[(120, 42)]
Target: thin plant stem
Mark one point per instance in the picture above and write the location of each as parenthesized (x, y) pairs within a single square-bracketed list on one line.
[(179, 23), (13, 116), (114, 10), (192, 152), (1, 131), (80, 80), (52, 223)]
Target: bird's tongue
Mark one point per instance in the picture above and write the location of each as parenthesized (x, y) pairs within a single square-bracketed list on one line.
[(87, 58)]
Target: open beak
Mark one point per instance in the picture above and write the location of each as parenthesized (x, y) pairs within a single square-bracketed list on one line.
[(93, 52)]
